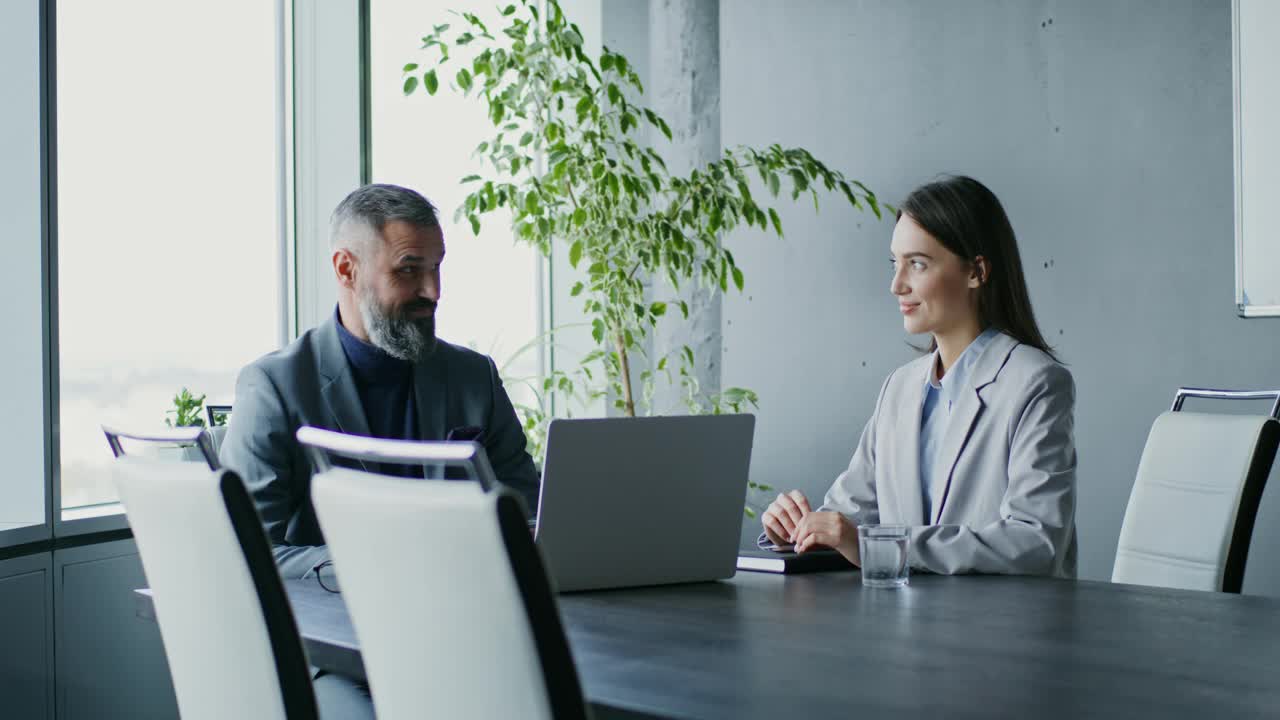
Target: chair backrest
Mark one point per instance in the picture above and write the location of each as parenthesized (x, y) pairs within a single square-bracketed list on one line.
[(435, 457), (1190, 515), (449, 599), (229, 633)]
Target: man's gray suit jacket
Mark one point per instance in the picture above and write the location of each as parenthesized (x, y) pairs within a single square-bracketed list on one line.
[(310, 383)]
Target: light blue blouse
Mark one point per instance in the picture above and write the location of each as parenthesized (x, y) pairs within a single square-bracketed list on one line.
[(939, 397)]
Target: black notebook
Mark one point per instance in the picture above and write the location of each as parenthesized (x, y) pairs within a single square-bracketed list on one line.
[(790, 563)]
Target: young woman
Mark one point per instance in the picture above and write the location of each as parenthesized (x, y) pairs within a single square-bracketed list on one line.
[(971, 445)]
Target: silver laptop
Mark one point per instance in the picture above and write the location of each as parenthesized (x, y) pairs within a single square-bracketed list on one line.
[(643, 501)]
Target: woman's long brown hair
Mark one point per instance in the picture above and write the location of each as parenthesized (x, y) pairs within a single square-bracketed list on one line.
[(968, 219)]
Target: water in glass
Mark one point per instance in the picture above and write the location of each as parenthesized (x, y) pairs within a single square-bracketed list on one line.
[(883, 550)]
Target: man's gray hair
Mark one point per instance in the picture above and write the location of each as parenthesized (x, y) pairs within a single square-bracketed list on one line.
[(360, 217)]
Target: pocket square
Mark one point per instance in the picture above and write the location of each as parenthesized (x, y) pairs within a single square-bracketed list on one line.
[(465, 433)]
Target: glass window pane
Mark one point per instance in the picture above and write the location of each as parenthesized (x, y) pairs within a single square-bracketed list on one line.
[(168, 267), (489, 284)]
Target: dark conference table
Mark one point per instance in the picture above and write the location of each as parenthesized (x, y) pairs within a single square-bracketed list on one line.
[(769, 646)]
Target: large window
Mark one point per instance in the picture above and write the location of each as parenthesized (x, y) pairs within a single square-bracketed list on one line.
[(168, 270), (489, 298)]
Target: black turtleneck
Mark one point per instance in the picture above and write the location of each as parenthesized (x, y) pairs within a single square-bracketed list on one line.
[(385, 386)]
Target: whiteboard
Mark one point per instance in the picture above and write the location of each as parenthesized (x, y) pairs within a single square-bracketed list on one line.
[(1256, 58)]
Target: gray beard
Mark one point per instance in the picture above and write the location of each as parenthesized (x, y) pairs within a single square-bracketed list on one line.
[(395, 333)]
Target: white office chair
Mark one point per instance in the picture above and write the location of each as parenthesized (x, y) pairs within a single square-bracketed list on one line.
[(446, 590), (1190, 516), (228, 630)]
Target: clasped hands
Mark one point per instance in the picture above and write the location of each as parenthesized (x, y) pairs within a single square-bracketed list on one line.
[(790, 521)]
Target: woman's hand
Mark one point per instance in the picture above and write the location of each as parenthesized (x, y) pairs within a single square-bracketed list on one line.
[(830, 529), (783, 515)]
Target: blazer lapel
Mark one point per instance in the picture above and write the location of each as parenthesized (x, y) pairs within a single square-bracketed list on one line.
[(339, 387), (959, 427), (430, 397), (910, 502), (966, 412)]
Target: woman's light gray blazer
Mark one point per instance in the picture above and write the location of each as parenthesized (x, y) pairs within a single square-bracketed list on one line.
[(1009, 500)]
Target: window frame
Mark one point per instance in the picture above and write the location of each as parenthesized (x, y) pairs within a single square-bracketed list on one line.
[(39, 534)]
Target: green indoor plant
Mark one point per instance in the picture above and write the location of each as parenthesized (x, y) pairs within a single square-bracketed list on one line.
[(186, 410), (568, 161)]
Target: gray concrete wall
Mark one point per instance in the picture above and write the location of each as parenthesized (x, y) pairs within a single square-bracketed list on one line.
[(1105, 128)]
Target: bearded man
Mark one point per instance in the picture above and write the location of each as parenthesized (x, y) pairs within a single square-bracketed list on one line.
[(374, 368)]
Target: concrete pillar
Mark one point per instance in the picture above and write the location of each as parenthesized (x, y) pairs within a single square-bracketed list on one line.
[(684, 87)]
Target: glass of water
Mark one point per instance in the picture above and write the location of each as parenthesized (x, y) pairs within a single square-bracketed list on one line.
[(883, 551)]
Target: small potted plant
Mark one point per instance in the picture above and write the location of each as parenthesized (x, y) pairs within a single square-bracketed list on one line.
[(186, 411)]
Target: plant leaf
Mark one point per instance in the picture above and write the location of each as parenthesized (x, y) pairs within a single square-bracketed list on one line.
[(575, 254), (431, 82), (801, 181), (410, 84)]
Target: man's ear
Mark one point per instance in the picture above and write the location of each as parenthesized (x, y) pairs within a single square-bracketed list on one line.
[(980, 273), (344, 268)]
